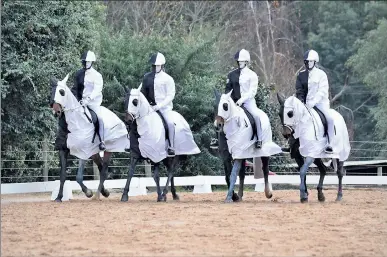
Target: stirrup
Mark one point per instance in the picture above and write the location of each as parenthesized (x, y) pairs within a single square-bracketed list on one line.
[(102, 146), (171, 152), (258, 144), (328, 149)]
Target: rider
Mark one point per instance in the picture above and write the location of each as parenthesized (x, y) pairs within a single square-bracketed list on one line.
[(88, 87), (244, 83), (312, 89), (159, 89)]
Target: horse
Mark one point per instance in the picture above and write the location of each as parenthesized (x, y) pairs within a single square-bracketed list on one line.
[(307, 131), (149, 141), (226, 156), (81, 134), (238, 127)]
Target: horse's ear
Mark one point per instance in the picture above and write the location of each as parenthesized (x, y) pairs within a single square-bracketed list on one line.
[(66, 78), (139, 88), (229, 93), (281, 98)]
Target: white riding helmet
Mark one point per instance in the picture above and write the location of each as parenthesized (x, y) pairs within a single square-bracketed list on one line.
[(157, 59), (311, 55), (88, 56), (242, 55)]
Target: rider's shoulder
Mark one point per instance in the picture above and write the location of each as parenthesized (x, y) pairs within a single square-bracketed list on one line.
[(302, 72), (251, 71), (234, 71), (79, 72), (148, 74), (95, 72), (321, 72), (167, 76)]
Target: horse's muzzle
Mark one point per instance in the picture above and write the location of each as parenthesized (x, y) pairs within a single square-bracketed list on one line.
[(287, 131), (219, 120), (57, 109), (129, 117)]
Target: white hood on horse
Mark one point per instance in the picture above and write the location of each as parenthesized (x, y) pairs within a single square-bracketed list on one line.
[(309, 128), (152, 141), (80, 138), (239, 131)]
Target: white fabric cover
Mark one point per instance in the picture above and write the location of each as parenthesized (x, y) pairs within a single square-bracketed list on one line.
[(239, 135), (152, 141), (310, 130), (239, 131), (82, 131)]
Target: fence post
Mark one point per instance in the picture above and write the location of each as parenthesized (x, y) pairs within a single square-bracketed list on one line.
[(148, 169), (45, 160), (380, 172)]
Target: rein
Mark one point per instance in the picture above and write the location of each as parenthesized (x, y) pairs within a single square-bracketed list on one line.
[(84, 111), (314, 125)]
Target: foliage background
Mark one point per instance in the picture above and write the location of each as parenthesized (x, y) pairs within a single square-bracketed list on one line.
[(44, 39)]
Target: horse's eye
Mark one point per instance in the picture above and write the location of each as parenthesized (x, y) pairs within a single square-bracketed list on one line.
[(225, 106), (290, 114), (61, 92), (135, 102)]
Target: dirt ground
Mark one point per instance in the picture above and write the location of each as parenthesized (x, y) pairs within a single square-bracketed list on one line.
[(197, 225)]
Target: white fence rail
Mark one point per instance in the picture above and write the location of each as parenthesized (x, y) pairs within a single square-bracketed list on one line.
[(202, 184)]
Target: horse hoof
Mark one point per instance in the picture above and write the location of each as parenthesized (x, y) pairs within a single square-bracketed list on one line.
[(339, 197), (268, 194), (176, 198), (89, 193), (105, 193), (321, 197), (58, 200), (228, 200), (235, 197), (304, 200), (124, 198), (164, 198)]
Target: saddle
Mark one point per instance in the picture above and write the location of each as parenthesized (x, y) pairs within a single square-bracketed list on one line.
[(165, 125), (252, 122), (323, 120)]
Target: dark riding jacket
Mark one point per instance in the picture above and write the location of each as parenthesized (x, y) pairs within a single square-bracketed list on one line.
[(302, 85)]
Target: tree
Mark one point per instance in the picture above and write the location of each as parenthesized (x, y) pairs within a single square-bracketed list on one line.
[(370, 63), (40, 40)]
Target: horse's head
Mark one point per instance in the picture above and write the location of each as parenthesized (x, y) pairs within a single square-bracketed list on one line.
[(59, 90), (137, 104), (288, 114), (226, 107)]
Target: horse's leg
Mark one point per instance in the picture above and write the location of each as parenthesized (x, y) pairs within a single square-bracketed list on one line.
[(63, 155), (340, 174), (242, 175), (133, 163), (81, 168), (171, 163), (156, 177), (265, 168), (173, 188), (321, 167), (103, 174), (303, 171), (227, 165), (235, 169), (300, 162)]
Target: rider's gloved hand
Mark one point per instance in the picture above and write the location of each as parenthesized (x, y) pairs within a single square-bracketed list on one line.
[(156, 107), (85, 101), (240, 102)]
